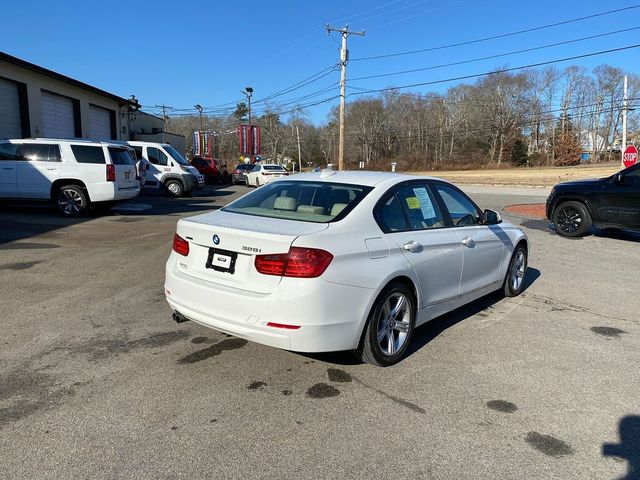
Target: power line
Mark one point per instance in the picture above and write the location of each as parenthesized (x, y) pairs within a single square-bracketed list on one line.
[(302, 83), (503, 70), (414, 15), (500, 55), (494, 37)]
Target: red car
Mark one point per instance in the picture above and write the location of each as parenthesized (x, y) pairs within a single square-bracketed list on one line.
[(207, 167)]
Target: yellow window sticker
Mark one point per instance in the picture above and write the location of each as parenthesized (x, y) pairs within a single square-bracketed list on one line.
[(413, 203)]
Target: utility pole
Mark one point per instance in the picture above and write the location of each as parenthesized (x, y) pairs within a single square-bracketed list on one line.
[(299, 151), (344, 58), (164, 115), (199, 108), (625, 108), (248, 92)]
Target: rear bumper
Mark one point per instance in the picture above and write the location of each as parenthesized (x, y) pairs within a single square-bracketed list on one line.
[(240, 178), (108, 191), (330, 316)]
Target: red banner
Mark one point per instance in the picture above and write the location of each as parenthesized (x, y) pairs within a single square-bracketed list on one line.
[(249, 141), (244, 140), (255, 140)]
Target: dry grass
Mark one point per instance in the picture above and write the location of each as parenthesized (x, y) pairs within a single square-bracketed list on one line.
[(536, 177)]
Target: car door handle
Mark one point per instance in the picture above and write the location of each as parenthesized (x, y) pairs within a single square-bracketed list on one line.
[(413, 246), (7, 168), (468, 242)]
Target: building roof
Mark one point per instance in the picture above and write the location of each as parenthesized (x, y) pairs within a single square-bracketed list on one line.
[(58, 76)]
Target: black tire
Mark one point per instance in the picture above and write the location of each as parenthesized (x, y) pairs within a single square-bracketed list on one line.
[(257, 182), (514, 281), (375, 344), (71, 201), (572, 219), (174, 188)]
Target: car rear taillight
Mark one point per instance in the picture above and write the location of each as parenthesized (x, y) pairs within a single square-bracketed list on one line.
[(299, 263), (111, 173), (180, 245)]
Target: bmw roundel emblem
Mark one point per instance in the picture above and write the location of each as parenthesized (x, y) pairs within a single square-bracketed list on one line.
[(216, 239)]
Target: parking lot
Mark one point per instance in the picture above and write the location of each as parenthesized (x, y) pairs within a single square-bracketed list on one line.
[(96, 380)]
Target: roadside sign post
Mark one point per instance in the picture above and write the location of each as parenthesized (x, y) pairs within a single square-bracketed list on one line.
[(630, 156)]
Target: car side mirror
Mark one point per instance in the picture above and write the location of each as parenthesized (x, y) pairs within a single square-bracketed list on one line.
[(491, 217)]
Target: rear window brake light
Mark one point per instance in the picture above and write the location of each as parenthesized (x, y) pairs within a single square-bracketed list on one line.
[(111, 173)]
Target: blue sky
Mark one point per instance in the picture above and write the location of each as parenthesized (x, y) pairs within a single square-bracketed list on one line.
[(183, 53)]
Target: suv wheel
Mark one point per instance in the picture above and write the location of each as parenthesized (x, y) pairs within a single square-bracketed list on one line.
[(175, 188), (571, 219), (71, 201)]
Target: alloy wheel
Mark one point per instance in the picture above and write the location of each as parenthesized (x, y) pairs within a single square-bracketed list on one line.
[(569, 219), (518, 270), (69, 202), (394, 323)]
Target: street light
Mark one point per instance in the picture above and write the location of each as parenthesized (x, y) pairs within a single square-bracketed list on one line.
[(248, 91), (199, 108)]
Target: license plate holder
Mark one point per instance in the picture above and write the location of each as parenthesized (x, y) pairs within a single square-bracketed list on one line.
[(222, 260)]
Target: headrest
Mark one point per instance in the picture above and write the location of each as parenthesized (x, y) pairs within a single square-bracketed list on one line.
[(337, 208), (285, 203), (310, 209)]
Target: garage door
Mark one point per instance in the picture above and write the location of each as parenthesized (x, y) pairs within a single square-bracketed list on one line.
[(10, 125), (58, 120), (100, 123)]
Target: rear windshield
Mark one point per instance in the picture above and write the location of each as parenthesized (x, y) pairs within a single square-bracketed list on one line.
[(273, 167), (120, 156), (245, 166), (303, 201)]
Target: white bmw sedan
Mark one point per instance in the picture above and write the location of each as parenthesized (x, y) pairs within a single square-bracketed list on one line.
[(333, 261), (263, 174)]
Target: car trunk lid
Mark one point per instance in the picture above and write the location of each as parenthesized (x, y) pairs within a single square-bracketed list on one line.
[(223, 247)]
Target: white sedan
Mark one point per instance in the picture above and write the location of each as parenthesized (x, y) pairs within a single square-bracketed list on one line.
[(341, 261), (263, 174)]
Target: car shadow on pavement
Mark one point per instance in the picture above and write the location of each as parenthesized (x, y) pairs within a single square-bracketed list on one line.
[(613, 233), (21, 220), (427, 332), (629, 447)]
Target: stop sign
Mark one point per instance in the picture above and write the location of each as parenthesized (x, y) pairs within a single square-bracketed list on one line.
[(630, 156)]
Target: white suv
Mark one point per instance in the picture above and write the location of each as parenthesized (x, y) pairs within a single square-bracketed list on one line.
[(73, 174)]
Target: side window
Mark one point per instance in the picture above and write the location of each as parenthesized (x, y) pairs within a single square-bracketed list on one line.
[(120, 156), (138, 152), (10, 151), (38, 152), (88, 154), (156, 156), (391, 216), (462, 211), (421, 207)]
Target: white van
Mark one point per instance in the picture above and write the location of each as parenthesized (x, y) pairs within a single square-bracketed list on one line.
[(73, 174), (168, 169)]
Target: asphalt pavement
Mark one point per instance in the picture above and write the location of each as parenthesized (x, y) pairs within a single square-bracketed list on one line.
[(96, 381)]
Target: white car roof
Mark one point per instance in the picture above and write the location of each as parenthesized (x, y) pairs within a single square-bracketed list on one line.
[(358, 177), (89, 141)]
